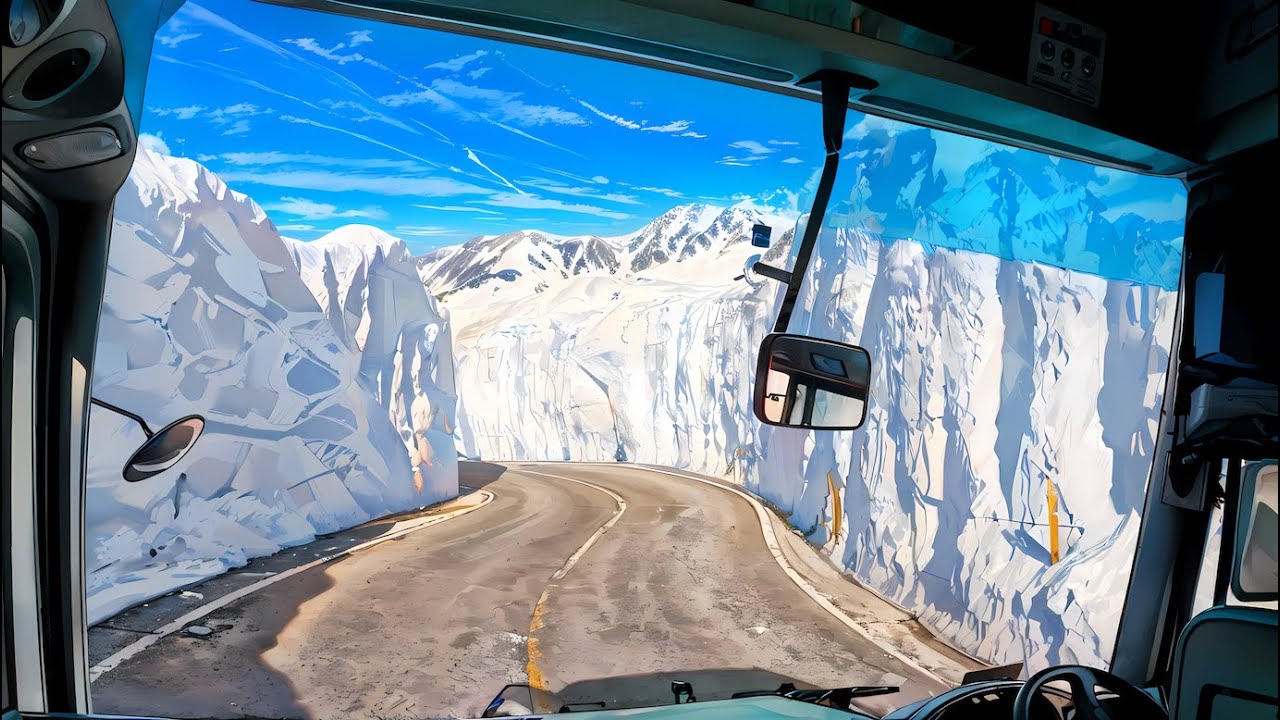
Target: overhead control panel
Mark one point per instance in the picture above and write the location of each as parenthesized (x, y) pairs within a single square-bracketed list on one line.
[(1066, 55)]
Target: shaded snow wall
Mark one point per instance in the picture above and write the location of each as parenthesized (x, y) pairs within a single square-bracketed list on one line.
[(205, 312), (992, 378)]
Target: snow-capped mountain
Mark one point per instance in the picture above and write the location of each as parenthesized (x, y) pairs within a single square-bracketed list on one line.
[(528, 258), (1013, 344), (205, 312)]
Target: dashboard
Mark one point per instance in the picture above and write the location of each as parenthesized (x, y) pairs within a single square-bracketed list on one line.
[(985, 700)]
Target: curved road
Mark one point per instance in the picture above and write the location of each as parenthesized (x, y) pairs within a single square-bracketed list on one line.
[(432, 624)]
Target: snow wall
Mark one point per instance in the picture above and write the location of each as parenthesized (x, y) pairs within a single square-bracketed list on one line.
[(1018, 337), (325, 407)]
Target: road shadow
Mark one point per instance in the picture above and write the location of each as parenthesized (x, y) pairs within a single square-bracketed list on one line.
[(224, 674), (648, 689), (476, 474)]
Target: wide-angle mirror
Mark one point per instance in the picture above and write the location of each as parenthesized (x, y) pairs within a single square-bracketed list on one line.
[(164, 449), (811, 383), (1255, 576)]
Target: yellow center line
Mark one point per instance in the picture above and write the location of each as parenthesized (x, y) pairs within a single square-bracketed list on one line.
[(532, 668)]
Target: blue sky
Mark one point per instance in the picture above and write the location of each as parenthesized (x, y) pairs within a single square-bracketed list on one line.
[(327, 120)]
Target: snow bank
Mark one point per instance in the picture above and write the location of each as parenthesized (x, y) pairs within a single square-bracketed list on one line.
[(1002, 361), (320, 415)]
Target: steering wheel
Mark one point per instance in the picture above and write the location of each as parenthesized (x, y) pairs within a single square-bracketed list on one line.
[(1130, 703)]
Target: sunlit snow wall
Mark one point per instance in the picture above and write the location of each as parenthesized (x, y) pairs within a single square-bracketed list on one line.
[(325, 406), (1019, 326)]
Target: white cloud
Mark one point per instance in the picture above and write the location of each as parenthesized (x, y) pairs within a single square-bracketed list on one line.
[(194, 11), (1175, 208), (422, 230), (390, 185), (478, 73), (221, 116), (204, 157), (472, 157), (675, 126), (358, 136), (533, 202), (600, 180), (751, 146), (660, 190), (457, 63), (310, 45), (739, 160), (507, 105), (783, 142), (792, 161), (179, 113), (615, 119), (527, 115), (281, 158), (364, 114), (457, 208), (680, 127), (304, 209), (587, 192), (173, 41), (296, 227), (239, 127), (154, 143), (359, 37), (425, 95), (456, 89)]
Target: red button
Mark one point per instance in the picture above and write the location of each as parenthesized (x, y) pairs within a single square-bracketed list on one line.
[(1047, 26)]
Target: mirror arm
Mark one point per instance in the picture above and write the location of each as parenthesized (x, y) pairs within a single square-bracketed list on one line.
[(772, 272), (123, 412), (836, 88)]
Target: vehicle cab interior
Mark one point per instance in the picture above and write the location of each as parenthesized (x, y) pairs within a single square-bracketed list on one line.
[(1187, 92)]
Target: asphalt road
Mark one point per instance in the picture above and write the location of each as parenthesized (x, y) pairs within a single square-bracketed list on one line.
[(678, 585)]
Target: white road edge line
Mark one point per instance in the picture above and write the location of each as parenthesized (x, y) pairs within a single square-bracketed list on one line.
[(137, 646), (771, 540), (573, 559)]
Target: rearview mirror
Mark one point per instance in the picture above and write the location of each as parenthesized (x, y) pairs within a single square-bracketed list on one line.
[(1254, 576), (810, 383), (164, 448)]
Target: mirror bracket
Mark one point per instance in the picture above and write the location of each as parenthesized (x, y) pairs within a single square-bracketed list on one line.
[(132, 416), (772, 272), (837, 87)]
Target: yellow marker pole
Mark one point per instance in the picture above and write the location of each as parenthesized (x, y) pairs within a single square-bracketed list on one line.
[(1053, 522), (837, 510)]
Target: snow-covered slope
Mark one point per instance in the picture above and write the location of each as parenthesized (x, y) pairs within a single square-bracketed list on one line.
[(1003, 362), (205, 312), (520, 262)]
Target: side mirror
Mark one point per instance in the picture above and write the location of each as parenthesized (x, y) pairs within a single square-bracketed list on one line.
[(810, 383), (1254, 570), (164, 448)]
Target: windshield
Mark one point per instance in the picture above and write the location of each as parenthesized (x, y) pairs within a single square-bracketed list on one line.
[(471, 330)]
